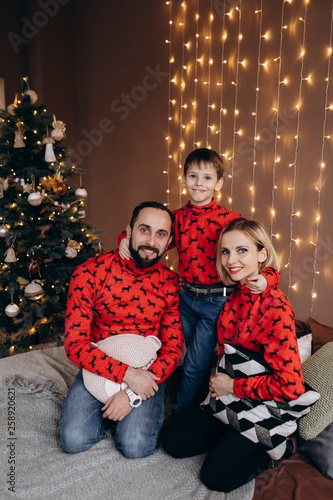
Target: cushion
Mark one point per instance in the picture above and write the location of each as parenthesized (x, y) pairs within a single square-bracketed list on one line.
[(305, 347), (321, 334), (320, 450), (318, 372), (132, 349), (265, 422)]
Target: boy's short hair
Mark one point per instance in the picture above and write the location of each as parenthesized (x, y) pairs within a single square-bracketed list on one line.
[(207, 156), (150, 204)]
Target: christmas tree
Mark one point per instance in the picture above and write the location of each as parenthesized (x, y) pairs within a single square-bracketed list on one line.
[(43, 236)]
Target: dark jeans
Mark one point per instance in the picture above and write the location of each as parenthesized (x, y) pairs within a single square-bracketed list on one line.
[(232, 459)]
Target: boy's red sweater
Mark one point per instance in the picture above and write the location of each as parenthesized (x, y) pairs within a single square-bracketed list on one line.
[(110, 296), (196, 231), (263, 323)]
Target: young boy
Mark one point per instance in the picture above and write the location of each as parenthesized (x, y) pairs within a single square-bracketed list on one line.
[(196, 230)]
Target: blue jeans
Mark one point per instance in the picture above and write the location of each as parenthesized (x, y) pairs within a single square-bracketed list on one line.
[(199, 317), (81, 423)]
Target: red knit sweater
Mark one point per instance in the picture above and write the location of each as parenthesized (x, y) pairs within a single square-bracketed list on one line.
[(196, 231), (263, 323), (110, 296)]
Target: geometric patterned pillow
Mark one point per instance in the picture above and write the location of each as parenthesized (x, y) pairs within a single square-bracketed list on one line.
[(268, 423)]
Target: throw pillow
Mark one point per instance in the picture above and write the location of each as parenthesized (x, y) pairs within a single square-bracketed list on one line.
[(318, 373), (265, 422), (320, 450), (321, 334), (304, 347), (134, 350)]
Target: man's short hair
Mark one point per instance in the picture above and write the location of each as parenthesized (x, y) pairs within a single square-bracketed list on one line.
[(150, 204)]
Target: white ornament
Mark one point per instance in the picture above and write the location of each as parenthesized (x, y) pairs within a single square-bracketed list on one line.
[(18, 142), (10, 255), (34, 290), (32, 94), (35, 199), (81, 214), (57, 134), (70, 252), (12, 310), (81, 192), (3, 231), (49, 153)]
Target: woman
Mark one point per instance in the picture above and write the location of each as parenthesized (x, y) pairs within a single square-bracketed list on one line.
[(263, 323)]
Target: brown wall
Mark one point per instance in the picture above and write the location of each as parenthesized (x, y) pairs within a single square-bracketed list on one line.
[(92, 64)]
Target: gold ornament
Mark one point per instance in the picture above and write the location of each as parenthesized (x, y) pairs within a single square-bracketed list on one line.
[(56, 183)]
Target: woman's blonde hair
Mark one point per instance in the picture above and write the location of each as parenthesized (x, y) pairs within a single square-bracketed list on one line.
[(258, 234)]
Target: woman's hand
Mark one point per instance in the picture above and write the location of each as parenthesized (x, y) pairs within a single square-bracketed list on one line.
[(221, 385)]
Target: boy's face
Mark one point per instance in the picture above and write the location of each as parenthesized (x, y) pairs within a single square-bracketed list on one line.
[(201, 182)]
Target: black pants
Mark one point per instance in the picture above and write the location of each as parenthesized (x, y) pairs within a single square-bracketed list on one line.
[(232, 459)]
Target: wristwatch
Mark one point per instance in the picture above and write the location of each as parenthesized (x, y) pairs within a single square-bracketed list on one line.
[(134, 399)]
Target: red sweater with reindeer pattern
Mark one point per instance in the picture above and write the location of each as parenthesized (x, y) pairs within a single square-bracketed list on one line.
[(196, 231), (263, 323), (110, 296)]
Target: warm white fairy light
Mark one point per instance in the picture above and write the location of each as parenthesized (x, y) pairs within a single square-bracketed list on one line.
[(171, 61), (235, 132), (182, 89), (194, 103), (255, 135), (210, 61), (291, 220), (277, 124), (322, 165)]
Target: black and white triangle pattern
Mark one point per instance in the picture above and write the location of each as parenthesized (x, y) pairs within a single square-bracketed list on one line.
[(268, 423)]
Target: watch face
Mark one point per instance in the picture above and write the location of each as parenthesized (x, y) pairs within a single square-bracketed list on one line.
[(136, 402)]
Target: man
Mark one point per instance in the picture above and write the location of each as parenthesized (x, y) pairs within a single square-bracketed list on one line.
[(110, 296)]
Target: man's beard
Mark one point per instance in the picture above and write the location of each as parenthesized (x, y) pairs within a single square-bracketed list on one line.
[(143, 262)]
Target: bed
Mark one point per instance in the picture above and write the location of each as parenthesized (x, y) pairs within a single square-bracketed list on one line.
[(34, 467)]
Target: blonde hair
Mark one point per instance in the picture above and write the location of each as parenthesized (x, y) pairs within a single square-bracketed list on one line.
[(256, 232)]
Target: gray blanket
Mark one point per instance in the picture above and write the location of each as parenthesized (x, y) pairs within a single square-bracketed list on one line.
[(34, 467)]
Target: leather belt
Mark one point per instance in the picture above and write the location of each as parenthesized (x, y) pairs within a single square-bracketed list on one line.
[(210, 291)]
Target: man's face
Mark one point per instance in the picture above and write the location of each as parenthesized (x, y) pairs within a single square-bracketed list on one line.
[(150, 236)]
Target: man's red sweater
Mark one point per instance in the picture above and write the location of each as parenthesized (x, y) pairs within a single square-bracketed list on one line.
[(110, 296), (196, 231), (263, 323)]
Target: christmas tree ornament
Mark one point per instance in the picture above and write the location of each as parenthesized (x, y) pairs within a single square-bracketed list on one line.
[(81, 193), (10, 255), (81, 214), (34, 291), (18, 142), (32, 94), (11, 109), (34, 267), (49, 153), (56, 183), (12, 310), (3, 231), (59, 128), (72, 249), (3, 186), (35, 198)]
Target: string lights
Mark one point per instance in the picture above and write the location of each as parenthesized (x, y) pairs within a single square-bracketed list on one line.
[(245, 81)]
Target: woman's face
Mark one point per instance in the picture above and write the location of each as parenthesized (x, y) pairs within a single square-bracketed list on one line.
[(240, 256)]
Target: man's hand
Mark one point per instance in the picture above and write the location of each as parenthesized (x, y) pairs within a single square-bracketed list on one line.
[(142, 382), (124, 249), (257, 284), (221, 385), (117, 407)]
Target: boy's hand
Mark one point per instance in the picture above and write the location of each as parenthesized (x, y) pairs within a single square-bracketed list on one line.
[(221, 385), (257, 284), (124, 250)]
